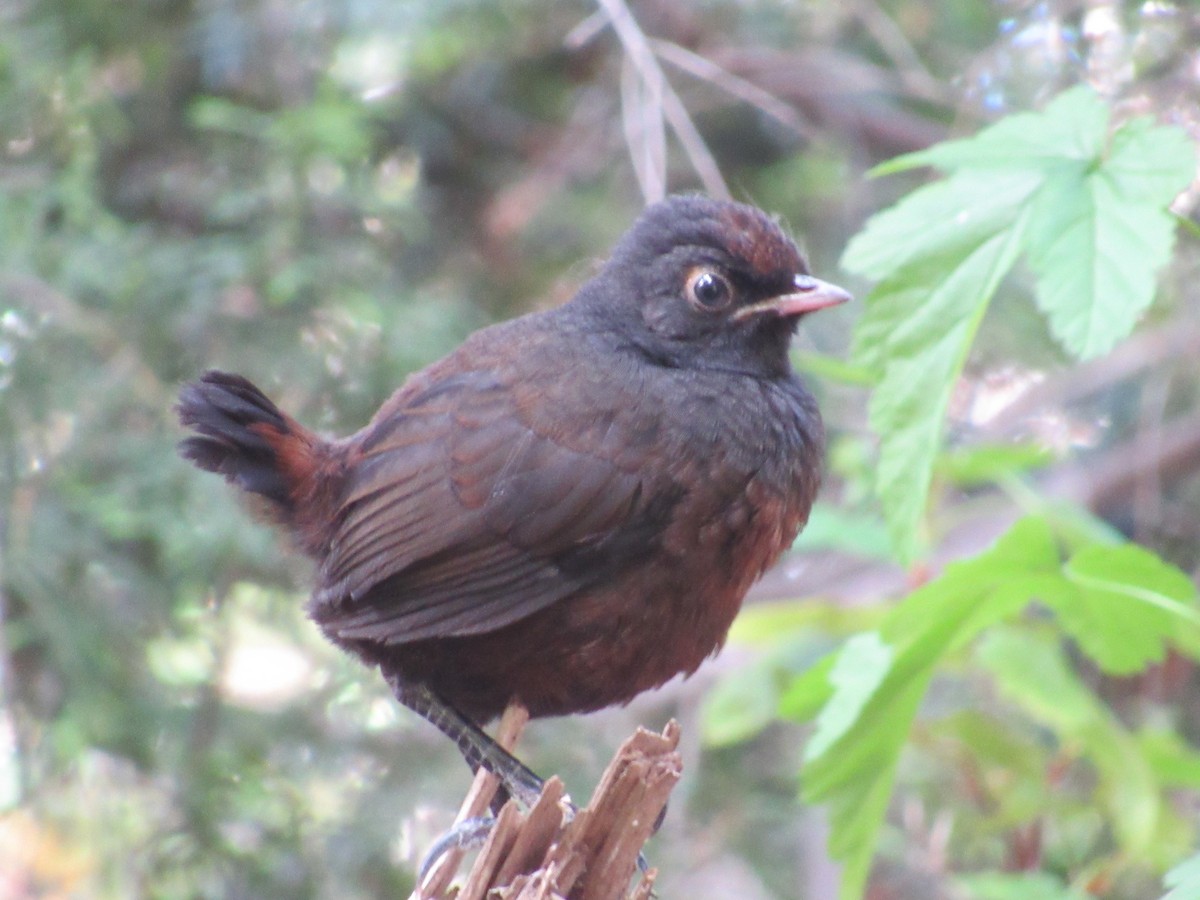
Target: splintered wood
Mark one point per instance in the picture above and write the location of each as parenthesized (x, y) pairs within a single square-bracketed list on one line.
[(546, 854)]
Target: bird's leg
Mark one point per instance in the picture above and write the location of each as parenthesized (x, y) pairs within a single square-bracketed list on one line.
[(480, 751), (476, 746), (482, 754)]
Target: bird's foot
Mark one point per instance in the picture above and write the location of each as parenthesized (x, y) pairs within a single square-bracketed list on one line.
[(468, 834), (471, 834)]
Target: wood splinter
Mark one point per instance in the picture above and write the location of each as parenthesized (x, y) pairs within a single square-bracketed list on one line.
[(546, 853)]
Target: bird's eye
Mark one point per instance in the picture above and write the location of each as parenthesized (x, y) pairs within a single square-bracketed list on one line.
[(708, 290)]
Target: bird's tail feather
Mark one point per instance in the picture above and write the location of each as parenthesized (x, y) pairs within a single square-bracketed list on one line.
[(241, 434)]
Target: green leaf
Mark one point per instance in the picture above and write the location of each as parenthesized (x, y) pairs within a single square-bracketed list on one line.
[(808, 692), (833, 368), (1088, 209), (219, 114), (1009, 762), (1123, 605), (768, 623), (1017, 886), (1032, 671), (329, 124), (856, 674), (924, 349), (1072, 126), (945, 220), (994, 742), (1147, 161), (866, 696), (1191, 227), (872, 688), (1097, 241), (1174, 761), (834, 527)]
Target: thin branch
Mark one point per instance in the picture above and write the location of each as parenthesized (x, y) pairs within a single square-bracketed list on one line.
[(747, 91), (586, 31), (891, 39), (639, 54), (645, 133), (693, 145)]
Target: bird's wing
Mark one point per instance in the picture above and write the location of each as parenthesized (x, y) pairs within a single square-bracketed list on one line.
[(460, 517)]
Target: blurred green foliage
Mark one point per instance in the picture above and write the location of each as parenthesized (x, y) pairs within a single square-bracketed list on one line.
[(326, 196)]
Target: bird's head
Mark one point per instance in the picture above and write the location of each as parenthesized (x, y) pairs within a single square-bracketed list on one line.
[(702, 283)]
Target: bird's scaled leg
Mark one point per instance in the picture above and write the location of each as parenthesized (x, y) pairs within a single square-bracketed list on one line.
[(476, 746), (469, 834), (480, 751), (471, 828)]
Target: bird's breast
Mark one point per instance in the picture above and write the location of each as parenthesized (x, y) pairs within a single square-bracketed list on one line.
[(715, 475), (744, 482)]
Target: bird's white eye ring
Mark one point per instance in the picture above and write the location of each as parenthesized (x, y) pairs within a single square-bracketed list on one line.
[(708, 290)]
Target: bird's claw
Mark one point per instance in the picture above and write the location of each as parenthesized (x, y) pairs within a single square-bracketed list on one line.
[(468, 834)]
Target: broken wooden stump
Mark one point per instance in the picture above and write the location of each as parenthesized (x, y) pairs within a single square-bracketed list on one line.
[(546, 853)]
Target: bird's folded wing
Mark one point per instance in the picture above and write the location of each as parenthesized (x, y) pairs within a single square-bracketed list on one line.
[(460, 518)]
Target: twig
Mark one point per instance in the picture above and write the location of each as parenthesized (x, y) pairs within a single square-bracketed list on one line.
[(892, 40), (747, 91), (645, 135), (586, 31), (639, 54)]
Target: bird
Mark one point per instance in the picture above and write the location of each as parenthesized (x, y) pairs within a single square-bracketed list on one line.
[(568, 509)]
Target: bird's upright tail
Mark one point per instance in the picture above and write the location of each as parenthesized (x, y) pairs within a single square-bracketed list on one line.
[(242, 435)]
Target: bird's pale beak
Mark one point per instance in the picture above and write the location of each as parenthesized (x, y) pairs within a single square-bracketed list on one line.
[(810, 294)]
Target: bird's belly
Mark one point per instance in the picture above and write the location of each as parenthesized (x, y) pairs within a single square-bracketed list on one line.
[(581, 654), (605, 645)]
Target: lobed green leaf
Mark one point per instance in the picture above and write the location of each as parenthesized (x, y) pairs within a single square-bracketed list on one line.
[(868, 694), (857, 673), (922, 355), (943, 221), (1072, 126), (1089, 210), (1123, 604)]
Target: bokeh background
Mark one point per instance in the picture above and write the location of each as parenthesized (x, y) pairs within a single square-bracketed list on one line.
[(325, 196)]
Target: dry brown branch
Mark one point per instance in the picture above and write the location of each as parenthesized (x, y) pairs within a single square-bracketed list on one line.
[(548, 853)]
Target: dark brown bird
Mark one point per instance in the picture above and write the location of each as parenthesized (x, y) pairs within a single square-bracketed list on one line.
[(569, 508)]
